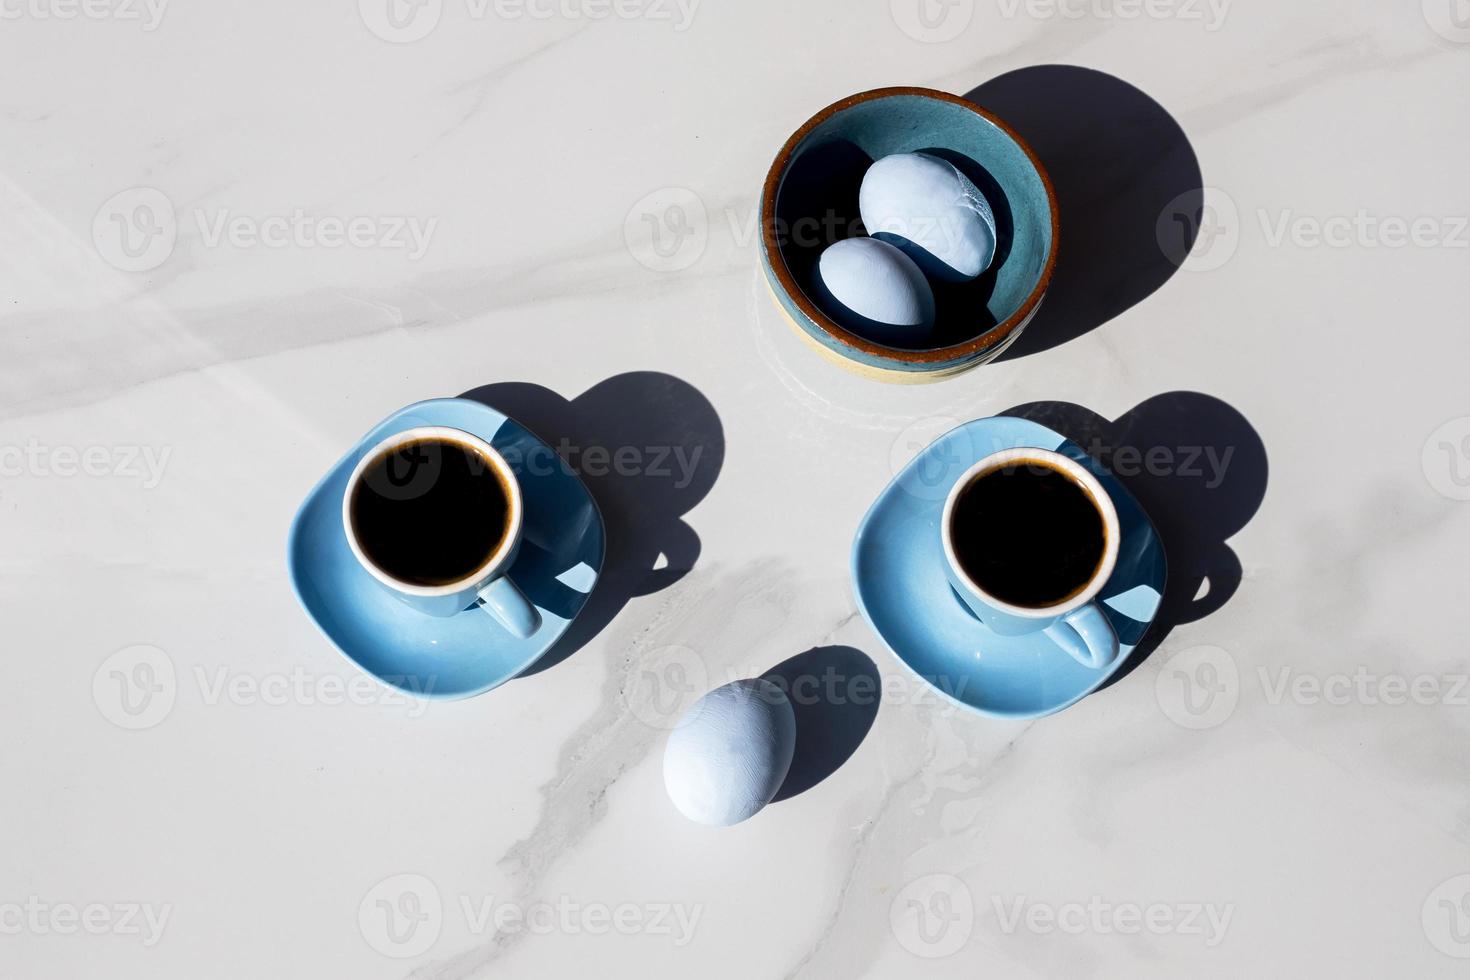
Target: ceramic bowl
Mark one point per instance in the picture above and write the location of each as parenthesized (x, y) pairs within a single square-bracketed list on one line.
[(810, 200)]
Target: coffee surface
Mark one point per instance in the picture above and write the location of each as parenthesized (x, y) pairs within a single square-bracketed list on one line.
[(430, 512), (1028, 534)]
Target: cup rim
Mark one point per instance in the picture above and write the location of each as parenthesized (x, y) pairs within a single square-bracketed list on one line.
[(1100, 498), (508, 481), (995, 337)]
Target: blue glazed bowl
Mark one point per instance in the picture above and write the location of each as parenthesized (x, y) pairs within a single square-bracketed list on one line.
[(810, 200)]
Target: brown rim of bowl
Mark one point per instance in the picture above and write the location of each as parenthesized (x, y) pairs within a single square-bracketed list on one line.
[(996, 334)]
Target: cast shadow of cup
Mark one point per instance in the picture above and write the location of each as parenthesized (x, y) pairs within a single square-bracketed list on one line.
[(648, 446), (1128, 186), (1198, 469), (835, 692)]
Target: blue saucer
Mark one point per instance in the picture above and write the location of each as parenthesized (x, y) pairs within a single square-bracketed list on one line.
[(898, 574), (468, 654)]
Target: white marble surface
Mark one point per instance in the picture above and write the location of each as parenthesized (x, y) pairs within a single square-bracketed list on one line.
[(259, 819)]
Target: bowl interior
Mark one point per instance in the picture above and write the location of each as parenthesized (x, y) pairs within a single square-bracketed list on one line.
[(817, 200)]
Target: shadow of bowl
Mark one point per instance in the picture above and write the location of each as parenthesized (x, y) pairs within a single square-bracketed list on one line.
[(1127, 183)]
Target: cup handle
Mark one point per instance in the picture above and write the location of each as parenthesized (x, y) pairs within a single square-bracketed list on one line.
[(504, 600), (1087, 636)]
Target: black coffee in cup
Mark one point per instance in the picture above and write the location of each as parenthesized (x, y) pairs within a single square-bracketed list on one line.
[(1028, 534), (430, 512)]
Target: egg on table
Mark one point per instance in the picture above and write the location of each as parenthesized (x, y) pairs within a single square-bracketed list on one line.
[(730, 752), (875, 290), (932, 211)]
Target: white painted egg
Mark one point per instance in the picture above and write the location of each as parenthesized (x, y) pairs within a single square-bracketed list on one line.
[(936, 214), (730, 752), (875, 290)]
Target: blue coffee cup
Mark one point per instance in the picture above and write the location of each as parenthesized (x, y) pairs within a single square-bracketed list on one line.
[(1077, 624), (488, 586)]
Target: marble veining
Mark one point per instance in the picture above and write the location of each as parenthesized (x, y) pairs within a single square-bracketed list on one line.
[(1279, 780)]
